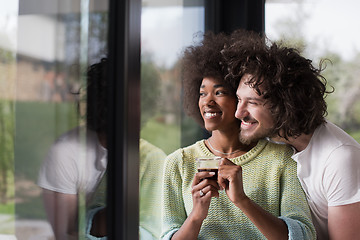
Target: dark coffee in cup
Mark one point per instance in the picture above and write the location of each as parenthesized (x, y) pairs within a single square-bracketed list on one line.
[(209, 164), (215, 170)]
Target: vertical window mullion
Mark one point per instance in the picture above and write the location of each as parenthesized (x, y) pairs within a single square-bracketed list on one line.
[(124, 119)]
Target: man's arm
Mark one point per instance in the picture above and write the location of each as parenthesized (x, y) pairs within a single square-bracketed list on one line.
[(62, 213), (344, 221)]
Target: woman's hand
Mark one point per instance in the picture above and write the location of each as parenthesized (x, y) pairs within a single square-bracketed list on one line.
[(201, 202), (203, 190), (230, 179)]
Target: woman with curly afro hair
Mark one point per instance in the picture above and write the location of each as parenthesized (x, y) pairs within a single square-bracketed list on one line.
[(262, 197)]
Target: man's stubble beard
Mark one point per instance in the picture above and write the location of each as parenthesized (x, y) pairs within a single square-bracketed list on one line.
[(255, 137)]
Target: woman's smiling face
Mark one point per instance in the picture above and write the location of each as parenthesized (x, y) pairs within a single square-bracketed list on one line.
[(217, 104)]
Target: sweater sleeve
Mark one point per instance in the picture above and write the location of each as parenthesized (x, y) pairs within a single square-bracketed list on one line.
[(295, 211), (173, 209)]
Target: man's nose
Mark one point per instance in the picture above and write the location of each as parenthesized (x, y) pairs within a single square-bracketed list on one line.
[(241, 111)]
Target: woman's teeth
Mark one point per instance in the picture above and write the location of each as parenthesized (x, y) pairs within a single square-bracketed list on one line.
[(208, 114)]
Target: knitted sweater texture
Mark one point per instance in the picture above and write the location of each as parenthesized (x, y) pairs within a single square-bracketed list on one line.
[(269, 179)]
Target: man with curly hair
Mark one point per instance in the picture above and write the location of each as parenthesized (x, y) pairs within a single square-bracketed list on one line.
[(277, 78)]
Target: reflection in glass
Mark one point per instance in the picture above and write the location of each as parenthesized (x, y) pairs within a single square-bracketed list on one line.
[(160, 94), (42, 67), (311, 27), (167, 27), (76, 162), (8, 27)]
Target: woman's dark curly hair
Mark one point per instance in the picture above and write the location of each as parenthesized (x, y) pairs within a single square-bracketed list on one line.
[(96, 107), (200, 61), (294, 88)]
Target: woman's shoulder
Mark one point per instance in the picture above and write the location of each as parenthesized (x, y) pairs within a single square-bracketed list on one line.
[(279, 152), (279, 148), (189, 152), (198, 145)]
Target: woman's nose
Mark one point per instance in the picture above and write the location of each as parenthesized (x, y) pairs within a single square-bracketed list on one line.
[(209, 100)]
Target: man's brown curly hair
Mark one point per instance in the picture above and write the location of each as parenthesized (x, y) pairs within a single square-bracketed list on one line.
[(294, 88), (200, 61)]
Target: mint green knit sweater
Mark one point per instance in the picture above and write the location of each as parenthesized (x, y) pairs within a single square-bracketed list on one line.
[(269, 177)]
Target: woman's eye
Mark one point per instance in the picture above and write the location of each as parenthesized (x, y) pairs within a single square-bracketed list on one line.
[(220, 92), (201, 94)]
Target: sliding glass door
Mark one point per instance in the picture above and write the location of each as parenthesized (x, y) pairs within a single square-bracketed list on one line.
[(89, 90)]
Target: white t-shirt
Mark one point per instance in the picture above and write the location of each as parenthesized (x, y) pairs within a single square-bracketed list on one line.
[(329, 172), (75, 162)]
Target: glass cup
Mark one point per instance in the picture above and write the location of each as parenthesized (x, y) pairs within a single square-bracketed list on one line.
[(209, 164)]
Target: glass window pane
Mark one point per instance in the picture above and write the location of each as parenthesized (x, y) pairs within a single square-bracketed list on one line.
[(312, 27), (49, 170), (8, 27), (166, 28)]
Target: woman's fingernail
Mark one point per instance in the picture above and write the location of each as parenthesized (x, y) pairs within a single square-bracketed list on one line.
[(212, 173)]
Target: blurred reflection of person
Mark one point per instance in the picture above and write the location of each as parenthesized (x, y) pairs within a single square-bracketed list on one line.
[(262, 198), (150, 181), (76, 162), (63, 175)]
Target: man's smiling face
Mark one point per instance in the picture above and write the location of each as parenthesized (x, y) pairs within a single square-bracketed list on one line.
[(252, 110)]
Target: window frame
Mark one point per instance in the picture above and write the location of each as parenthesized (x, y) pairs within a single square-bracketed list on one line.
[(123, 119), (124, 108)]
